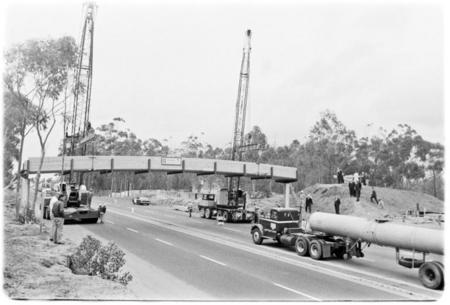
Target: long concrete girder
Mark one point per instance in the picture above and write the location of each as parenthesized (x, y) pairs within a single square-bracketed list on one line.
[(170, 165)]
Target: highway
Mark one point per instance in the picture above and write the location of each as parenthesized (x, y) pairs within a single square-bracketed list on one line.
[(222, 263)]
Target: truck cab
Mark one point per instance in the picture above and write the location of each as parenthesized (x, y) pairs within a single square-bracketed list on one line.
[(277, 223)]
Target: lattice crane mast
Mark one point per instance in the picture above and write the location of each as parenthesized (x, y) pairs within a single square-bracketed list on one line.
[(79, 125), (241, 107)]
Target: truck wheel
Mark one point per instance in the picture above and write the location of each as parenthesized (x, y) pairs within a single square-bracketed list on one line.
[(234, 217), (208, 213), (226, 216), (202, 215), (301, 246), (431, 275), (257, 236), (340, 252), (315, 249)]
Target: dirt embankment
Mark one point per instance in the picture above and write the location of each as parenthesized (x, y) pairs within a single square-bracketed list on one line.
[(397, 203), (35, 268)]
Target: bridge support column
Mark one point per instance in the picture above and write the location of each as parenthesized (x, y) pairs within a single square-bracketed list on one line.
[(287, 187)]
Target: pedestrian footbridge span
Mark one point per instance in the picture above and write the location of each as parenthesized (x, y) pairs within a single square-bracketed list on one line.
[(170, 165)]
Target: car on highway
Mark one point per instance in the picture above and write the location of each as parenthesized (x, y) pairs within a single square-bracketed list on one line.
[(141, 200)]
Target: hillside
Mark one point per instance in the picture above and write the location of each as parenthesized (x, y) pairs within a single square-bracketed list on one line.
[(396, 202)]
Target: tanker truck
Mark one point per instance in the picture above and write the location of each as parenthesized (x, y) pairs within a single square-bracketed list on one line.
[(341, 236)]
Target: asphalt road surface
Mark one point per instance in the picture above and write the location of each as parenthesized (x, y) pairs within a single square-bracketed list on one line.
[(223, 263)]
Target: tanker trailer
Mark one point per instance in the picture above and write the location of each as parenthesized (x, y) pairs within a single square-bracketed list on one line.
[(358, 230)]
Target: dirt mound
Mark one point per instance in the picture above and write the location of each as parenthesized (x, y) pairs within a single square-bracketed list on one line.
[(397, 203)]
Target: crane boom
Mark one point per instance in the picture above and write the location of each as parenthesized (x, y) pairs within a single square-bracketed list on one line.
[(80, 124), (241, 107), (241, 102)]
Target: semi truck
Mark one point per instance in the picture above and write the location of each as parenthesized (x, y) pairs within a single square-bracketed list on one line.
[(341, 236), (228, 205)]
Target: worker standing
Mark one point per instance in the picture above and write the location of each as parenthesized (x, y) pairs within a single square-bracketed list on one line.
[(358, 187), (308, 203), (337, 203), (50, 213), (102, 211), (256, 218), (340, 176), (373, 196), (190, 209), (58, 219)]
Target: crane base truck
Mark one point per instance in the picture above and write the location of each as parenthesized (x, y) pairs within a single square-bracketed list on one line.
[(226, 205), (78, 205)]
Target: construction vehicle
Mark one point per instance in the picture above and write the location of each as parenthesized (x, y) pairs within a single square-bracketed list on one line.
[(217, 205), (341, 236), (230, 203), (78, 205)]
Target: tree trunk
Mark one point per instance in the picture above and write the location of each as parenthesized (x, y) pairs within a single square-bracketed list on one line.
[(36, 186), (22, 140)]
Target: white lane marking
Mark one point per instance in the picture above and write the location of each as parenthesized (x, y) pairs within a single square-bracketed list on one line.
[(213, 260), (229, 229), (164, 242), (269, 253), (297, 292), (109, 221), (132, 230)]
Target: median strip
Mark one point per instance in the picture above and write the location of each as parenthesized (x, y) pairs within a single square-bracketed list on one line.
[(213, 260), (297, 292)]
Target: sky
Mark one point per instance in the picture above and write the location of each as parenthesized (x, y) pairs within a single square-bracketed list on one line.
[(171, 69)]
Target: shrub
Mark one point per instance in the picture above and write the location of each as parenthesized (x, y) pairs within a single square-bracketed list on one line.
[(92, 258)]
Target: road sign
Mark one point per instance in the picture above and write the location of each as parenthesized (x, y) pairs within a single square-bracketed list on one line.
[(170, 161), (251, 147)]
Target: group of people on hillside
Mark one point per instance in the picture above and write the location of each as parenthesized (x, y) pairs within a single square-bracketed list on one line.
[(355, 186), (362, 177), (309, 202)]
